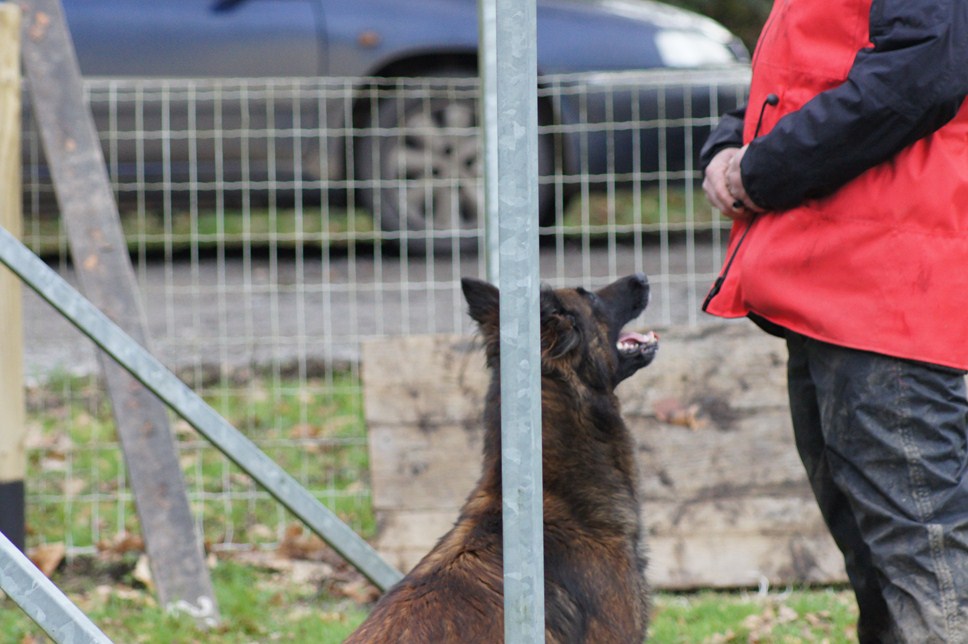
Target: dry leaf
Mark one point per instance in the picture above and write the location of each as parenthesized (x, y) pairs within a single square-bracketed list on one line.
[(142, 573), (48, 556), (297, 545), (121, 544), (73, 487), (674, 412), (360, 591)]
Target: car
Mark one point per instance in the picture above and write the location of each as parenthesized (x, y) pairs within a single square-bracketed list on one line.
[(401, 132)]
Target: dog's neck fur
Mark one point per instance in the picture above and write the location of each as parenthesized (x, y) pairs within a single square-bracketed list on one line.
[(572, 438)]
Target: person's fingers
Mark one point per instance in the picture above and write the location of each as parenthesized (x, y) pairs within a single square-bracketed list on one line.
[(714, 181), (733, 178)]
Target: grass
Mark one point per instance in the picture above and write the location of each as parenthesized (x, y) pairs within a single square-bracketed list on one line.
[(257, 605), (152, 232), (77, 491), (805, 615), (289, 587), (278, 603)]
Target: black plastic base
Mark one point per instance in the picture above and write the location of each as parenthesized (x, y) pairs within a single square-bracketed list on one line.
[(12, 512)]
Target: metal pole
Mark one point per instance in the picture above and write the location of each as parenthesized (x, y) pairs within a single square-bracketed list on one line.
[(42, 600), (487, 70), (177, 395), (517, 133)]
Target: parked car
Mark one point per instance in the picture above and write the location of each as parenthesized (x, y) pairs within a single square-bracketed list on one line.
[(408, 149)]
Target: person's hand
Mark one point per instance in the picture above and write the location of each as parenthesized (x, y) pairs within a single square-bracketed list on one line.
[(723, 185)]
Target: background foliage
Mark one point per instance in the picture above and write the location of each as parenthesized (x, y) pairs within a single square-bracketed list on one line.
[(744, 18)]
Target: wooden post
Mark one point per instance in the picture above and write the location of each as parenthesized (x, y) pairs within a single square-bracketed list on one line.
[(107, 278), (12, 423)]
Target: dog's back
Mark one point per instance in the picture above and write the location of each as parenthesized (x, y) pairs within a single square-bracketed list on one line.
[(595, 588)]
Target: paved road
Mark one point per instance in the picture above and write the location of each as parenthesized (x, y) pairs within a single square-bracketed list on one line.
[(239, 312)]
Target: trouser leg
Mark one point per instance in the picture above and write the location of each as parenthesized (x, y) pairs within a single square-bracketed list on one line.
[(895, 440), (874, 623)]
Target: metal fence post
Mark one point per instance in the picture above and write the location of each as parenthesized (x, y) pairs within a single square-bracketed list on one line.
[(517, 158), (487, 70)]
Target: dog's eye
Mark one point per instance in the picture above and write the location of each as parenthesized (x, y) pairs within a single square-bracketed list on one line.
[(592, 298)]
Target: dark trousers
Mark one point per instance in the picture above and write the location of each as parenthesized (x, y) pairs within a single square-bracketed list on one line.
[(885, 445)]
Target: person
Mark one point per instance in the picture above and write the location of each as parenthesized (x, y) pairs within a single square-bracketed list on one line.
[(846, 179)]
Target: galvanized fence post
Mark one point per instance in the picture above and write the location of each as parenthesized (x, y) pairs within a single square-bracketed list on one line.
[(487, 70), (516, 86)]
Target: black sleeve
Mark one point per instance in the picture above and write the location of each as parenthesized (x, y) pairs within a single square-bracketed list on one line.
[(728, 133), (909, 84)]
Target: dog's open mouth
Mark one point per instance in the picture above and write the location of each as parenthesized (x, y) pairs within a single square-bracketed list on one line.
[(635, 350), (631, 343)]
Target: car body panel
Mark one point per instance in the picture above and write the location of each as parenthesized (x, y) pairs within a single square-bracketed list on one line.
[(196, 38)]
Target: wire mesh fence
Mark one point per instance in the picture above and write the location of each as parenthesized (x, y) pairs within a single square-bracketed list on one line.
[(276, 224)]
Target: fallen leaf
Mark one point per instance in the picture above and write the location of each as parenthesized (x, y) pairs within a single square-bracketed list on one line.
[(296, 544), (121, 544), (360, 591), (48, 556), (674, 412), (142, 572)]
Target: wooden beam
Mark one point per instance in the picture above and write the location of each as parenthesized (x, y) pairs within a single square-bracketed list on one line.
[(107, 278), (725, 502), (13, 461)]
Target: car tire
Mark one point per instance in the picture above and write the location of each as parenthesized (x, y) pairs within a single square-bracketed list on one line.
[(420, 167)]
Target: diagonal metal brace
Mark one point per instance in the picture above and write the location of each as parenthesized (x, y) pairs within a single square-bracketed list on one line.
[(42, 600), (180, 398)]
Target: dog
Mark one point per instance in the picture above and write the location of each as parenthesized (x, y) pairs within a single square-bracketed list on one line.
[(595, 586)]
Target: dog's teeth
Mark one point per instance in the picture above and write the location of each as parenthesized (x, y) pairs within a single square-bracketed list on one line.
[(630, 342)]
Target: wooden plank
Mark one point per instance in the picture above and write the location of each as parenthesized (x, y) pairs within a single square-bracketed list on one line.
[(13, 461), (724, 498), (107, 278)]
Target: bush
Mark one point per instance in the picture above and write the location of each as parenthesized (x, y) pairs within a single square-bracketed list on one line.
[(744, 18)]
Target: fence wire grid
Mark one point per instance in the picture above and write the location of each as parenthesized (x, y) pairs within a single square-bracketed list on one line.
[(276, 224)]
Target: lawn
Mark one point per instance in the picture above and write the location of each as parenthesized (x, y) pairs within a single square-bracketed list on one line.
[(271, 597), (154, 232)]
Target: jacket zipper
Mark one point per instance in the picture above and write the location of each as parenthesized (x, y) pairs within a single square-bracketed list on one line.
[(773, 100)]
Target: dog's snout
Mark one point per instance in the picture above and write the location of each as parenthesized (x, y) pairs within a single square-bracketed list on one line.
[(640, 282)]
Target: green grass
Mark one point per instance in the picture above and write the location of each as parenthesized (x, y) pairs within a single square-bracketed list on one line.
[(315, 430), (152, 232), (805, 615), (259, 604)]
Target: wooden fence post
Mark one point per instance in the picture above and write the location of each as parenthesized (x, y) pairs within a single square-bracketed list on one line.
[(12, 422), (104, 270)]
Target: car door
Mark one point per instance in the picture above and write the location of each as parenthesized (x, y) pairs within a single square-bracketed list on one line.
[(196, 38)]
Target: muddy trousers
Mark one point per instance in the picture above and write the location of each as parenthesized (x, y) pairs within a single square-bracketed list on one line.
[(885, 446)]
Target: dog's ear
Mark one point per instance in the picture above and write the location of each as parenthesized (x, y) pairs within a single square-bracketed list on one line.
[(483, 303), (560, 333)]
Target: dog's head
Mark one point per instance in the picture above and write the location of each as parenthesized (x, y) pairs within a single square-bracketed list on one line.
[(581, 331)]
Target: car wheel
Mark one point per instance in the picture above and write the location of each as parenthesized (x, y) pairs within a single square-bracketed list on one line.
[(421, 170)]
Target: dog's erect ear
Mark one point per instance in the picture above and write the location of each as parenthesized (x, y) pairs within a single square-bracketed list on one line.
[(483, 302), (559, 331)]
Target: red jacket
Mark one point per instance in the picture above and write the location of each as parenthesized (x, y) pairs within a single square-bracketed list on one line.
[(863, 162)]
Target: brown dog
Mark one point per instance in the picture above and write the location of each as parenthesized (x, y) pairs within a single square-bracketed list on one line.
[(595, 589)]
